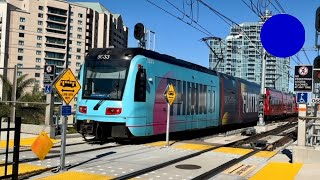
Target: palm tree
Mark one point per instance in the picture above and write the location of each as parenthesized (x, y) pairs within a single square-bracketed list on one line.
[(22, 84)]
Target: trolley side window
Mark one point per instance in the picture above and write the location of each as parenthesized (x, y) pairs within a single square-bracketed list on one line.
[(140, 86)]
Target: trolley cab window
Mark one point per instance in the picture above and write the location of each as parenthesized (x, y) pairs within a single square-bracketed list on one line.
[(105, 79)]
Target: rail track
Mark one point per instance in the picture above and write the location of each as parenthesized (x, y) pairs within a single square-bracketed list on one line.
[(240, 143), (219, 169)]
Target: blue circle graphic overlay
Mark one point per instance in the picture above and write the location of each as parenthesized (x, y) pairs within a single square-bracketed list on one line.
[(282, 35)]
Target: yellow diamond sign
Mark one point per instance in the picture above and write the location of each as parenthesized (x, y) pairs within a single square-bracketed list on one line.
[(42, 145), (67, 86), (170, 94)]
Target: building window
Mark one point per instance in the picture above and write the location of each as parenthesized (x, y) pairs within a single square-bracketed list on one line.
[(39, 30), (79, 22), (21, 35), (80, 15), (71, 13), (71, 28), (40, 15), (79, 36), (39, 37), (38, 60), (78, 57), (41, 8), (70, 35), (20, 58), (38, 52), (78, 50), (19, 65), (19, 73), (69, 56), (79, 29), (37, 66), (69, 63), (22, 19), (70, 49), (78, 43), (36, 74), (40, 22), (21, 43), (78, 64), (21, 27), (71, 20), (20, 50), (70, 42), (39, 45)]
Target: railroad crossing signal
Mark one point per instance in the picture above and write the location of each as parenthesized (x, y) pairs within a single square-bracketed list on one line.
[(67, 86), (170, 94)]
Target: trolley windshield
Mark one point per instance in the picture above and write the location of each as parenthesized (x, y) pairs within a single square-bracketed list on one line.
[(105, 79)]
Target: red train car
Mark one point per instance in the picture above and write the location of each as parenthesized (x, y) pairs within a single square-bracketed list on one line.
[(279, 104)]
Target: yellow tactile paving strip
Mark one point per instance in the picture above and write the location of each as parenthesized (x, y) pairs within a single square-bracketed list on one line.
[(77, 176), (194, 146), (200, 147), (24, 142), (240, 151), (160, 143), (278, 170), (23, 168)]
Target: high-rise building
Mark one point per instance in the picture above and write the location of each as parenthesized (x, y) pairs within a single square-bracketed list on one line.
[(241, 54), (35, 33)]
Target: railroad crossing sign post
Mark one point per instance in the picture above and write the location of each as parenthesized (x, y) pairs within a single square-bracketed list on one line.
[(169, 95), (67, 87)]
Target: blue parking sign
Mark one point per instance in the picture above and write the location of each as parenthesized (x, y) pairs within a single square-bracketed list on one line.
[(302, 98), (48, 88)]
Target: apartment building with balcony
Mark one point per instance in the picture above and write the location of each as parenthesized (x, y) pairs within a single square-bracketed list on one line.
[(37, 32), (241, 52)]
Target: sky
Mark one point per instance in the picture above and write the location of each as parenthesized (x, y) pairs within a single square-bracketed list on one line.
[(180, 40)]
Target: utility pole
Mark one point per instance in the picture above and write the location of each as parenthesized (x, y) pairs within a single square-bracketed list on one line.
[(261, 121)]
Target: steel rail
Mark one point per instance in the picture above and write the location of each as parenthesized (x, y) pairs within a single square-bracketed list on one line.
[(161, 165)]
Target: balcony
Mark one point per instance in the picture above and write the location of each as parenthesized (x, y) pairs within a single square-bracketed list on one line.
[(56, 11)]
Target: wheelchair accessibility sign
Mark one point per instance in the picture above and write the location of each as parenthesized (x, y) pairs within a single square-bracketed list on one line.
[(302, 98)]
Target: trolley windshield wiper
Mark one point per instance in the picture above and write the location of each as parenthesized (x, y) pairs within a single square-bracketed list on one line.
[(96, 107)]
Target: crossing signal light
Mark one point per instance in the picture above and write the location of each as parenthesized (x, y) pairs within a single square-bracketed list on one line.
[(316, 70), (138, 31), (317, 23)]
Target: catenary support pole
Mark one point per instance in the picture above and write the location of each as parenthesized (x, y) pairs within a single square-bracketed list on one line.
[(262, 91)]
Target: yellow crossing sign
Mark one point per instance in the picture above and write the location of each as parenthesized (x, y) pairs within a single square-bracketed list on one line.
[(42, 145), (170, 94), (67, 86)]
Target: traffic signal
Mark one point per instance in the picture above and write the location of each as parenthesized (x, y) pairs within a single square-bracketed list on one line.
[(317, 23), (139, 31), (316, 71)]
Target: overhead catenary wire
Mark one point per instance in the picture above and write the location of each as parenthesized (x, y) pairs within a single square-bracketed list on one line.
[(206, 33), (189, 17)]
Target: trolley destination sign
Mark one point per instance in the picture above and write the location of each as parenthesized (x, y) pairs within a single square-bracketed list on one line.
[(67, 86), (303, 78)]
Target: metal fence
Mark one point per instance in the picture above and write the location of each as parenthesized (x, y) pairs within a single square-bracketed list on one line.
[(15, 165)]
